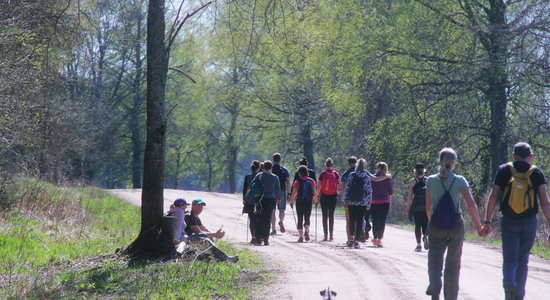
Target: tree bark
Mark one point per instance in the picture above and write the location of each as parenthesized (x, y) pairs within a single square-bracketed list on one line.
[(150, 237)]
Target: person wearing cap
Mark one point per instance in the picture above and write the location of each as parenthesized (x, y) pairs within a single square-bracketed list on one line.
[(195, 228), (416, 206), (178, 210), (199, 233), (518, 231)]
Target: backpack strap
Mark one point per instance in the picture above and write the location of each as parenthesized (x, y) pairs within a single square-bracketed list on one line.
[(446, 190)]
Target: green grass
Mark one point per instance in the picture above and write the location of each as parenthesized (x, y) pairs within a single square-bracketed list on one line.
[(60, 242)]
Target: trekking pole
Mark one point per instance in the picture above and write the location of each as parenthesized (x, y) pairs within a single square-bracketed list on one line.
[(247, 228), (294, 215), (316, 222)]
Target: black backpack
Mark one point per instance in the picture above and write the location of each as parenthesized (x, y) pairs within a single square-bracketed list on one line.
[(419, 190), (356, 189), (305, 190), (444, 215), (256, 190)]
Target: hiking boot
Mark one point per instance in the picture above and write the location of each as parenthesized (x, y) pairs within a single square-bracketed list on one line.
[(253, 240), (266, 242), (356, 245), (306, 235), (301, 239), (273, 232), (426, 244), (282, 227), (350, 243), (418, 248), (232, 259)]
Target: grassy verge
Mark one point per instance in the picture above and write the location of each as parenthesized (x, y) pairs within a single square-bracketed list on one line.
[(60, 242)]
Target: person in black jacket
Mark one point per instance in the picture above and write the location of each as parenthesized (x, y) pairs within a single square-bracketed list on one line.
[(271, 196), (248, 208), (416, 206)]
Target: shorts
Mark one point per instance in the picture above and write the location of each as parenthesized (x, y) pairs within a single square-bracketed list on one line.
[(282, 205)]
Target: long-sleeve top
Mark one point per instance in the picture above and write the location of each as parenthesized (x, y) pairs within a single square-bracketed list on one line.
[(367, 190), (382, 191), (270, 182), (179, 213)]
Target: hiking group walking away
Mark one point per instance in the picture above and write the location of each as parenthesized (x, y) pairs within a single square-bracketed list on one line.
[(433, 203)]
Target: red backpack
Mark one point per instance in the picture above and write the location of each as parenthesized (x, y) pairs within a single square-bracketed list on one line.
[(329, 184)]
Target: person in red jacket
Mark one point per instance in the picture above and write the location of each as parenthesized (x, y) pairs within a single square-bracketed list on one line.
[(329, 182)]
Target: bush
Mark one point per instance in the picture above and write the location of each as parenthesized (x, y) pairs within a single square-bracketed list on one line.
[(8, 192)]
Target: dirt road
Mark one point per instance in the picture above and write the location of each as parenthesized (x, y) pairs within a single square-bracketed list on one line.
[(393, 272)]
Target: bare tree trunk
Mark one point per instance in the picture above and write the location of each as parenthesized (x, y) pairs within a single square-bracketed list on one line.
[(149, 239), (308, 145), (496, 78)]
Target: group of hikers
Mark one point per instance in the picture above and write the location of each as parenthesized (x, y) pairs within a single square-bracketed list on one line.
[(433, 202)]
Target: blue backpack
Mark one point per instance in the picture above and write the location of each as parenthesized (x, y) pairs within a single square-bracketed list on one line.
[(444, 215), (256, 190), (305, 190)]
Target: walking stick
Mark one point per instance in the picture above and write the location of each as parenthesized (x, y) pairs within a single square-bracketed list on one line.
[(294, 215), (316, 222), (247, 227)]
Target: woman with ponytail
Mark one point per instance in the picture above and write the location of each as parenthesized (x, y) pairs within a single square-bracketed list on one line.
[(444, 190)]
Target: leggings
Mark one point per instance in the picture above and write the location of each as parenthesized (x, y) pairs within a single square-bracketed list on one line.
[(356, 220), (303, 210), (328, 204), (420, 225), (379, 213)]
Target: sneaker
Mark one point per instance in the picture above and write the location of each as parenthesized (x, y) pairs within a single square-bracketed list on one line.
[(325, 238), (282, 227), (418, 248), (266, 242), (331, 238), (306, 235), (379, 243), (432, 292), (375, 242), (356, 245), (273, 232), (350, 243), (426, 244), (233, 259), (301, 239)]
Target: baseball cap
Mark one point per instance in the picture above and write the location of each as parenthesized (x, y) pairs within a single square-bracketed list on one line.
[(199, 201), (180, 201)]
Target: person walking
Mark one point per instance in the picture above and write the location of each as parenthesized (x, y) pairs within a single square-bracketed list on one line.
[(446, 226), (329, 182), (517, 180), (304, 195), (357, 198), (266, 204), (382, 189), (310, 172), (416, 206), (248, 207), (352, 163), (284, 182)]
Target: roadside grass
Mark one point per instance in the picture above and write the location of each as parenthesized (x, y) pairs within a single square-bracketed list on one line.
[(61, 242)]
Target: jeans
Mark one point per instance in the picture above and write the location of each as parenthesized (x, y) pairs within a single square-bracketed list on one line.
[(518, 236), (328, 204), (440, 240)]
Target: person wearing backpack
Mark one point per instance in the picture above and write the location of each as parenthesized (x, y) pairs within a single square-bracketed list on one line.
[(303, 194), (310, 172), (284, 183), (357, 198), (446, 226), (416, 206), (518, 180), (248, 207), (382, 189), (329, 181), (271, 194)]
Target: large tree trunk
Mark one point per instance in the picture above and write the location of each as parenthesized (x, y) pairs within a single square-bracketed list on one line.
[(308, 145), (149, 239), (496, 80)]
